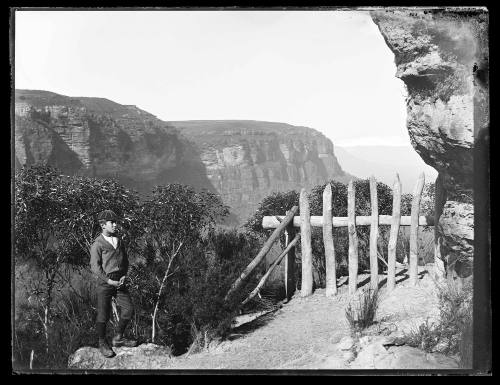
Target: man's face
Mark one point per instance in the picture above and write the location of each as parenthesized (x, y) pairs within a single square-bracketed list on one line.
[(109, 227)]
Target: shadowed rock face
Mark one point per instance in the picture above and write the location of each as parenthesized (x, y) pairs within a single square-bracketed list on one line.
[(442, 57), (100, 138)]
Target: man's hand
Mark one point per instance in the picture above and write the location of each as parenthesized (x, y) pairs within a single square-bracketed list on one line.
[(114, 283), (122, 280)]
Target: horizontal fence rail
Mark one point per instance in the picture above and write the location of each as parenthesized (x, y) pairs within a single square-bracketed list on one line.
[(287, 223), (271, 222)]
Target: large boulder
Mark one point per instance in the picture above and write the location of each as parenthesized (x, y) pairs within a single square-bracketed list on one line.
[(442, 57)]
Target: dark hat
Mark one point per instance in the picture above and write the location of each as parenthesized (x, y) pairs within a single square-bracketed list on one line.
[(107, 215)]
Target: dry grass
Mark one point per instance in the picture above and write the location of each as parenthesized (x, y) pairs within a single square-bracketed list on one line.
[(452, 333), (361, 313)]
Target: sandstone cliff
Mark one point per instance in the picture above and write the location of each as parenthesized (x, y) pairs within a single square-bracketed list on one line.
[(442, 57), (100, 138), (248, 160), (243, 161)]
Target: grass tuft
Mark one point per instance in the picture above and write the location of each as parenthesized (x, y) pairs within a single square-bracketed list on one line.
[(361, 313)]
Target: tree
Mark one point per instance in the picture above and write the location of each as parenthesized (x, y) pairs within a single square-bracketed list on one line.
[(174, 218), (41, 236)]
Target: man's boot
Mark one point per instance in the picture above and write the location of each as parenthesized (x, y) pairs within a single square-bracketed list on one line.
[(105, 350), (119, 340)]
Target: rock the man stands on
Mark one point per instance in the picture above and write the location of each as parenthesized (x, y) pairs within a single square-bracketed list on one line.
[(109, 263)]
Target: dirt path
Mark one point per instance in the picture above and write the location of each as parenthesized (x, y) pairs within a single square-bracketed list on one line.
[(305, 331)]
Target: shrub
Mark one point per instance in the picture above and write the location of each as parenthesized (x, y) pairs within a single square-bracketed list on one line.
[(193, 311), (72, 326), (360, 313), (425, 337)]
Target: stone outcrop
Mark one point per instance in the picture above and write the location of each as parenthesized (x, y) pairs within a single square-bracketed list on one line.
[(243, 161), (442, 57), (145, 356), (248, 160), (383, 352)]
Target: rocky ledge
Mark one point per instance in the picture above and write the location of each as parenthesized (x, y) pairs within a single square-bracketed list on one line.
[(145, 356)]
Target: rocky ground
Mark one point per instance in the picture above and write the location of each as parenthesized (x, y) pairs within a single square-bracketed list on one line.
[(305, 333)]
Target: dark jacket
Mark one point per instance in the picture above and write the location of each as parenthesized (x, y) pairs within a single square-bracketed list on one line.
[(105, 259)]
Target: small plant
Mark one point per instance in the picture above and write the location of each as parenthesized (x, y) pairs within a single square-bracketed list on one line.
[(426, 337), (452, 333), (361, 313)]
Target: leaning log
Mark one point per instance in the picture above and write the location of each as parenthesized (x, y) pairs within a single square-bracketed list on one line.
[(262, 253), (271, 268)]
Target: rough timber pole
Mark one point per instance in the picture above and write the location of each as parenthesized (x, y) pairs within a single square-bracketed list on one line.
[(373, 234), (289, 262), (262, 253), (415, 211), (263, 280), (305, 242), (393, 239), (353, 239), (331, 278)]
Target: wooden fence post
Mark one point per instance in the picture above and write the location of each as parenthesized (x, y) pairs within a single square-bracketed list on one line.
[(305, 242), (289, 262), (262, 253), (373, 234), (415, 212), (393, 239), (331, 278), (353, 239)]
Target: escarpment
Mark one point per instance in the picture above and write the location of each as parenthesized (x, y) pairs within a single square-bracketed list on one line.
[(248, 160), (100, 138), (243, 161), (442, 57)]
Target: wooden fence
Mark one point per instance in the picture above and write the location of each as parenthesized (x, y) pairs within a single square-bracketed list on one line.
[(305, 221)]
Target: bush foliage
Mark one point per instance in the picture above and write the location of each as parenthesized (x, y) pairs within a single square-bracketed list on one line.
[(279, 203), (173, 244)]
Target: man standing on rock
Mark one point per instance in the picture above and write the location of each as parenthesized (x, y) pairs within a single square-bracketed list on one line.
[(109, 263)]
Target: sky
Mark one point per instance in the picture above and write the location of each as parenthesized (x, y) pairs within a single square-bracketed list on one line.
[(328, 70)]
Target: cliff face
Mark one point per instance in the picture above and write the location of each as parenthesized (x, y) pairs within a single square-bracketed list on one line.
[(100, 138), (248, 160), (243, 161), (442, 57)]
